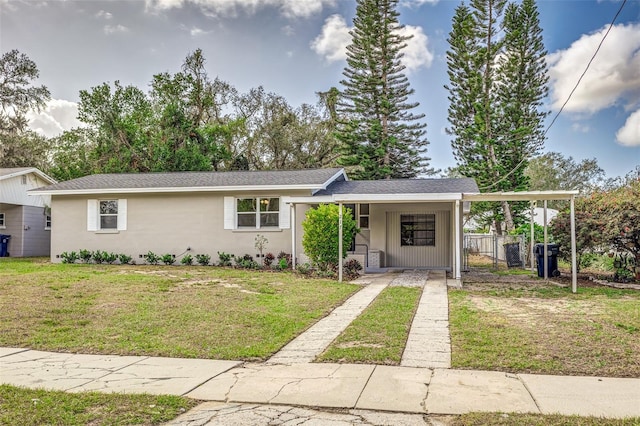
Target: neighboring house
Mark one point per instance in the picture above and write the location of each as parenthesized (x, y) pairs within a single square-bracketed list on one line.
[(413, 223), (26, 218)]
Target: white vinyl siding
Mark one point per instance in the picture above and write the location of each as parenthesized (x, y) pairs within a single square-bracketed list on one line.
[(436, 255)]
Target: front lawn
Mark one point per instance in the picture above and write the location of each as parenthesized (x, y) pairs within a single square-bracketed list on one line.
[(21, 406), (379, 334), (545, 329), (175, 311)]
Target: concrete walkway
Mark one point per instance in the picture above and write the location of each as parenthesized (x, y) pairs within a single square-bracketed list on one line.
[(406, 390), (308, 345), (429, 344)]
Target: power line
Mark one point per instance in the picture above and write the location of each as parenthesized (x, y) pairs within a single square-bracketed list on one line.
[(568, 97)]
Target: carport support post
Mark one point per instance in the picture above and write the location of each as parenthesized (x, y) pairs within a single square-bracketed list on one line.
[(532, 237), (574, 263), (546, 250), (458, 274), (340, 242), (293, 235)]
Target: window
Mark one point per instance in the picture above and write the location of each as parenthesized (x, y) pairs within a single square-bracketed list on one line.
[(258, 212), (24, 179), (2, 224), (47, 222), (364, 216), (418, 230), (108, 214)]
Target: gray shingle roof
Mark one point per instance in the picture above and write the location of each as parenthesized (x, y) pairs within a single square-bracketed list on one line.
[(316, 177), (402, 186)]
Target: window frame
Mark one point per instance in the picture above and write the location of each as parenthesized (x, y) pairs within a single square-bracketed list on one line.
[(260, 211), (425, 223), (107, 215), (47, 222), (3, 220), (362, 216)]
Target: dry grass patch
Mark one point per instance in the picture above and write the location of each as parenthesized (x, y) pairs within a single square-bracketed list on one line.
[(192, 312), (544, 328)]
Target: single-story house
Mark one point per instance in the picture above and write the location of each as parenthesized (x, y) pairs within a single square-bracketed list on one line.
[(25, 218), (411, 223)]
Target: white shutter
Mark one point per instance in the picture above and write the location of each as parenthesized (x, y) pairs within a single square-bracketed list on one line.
[(229, 213), (122, 215), (285, 215), (92, 215)]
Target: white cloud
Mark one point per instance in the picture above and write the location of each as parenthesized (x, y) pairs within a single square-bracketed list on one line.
[(58, 115), (288, 8), (417, 3), (417, 53), (196, 32), (105, 15), (113, 29), (334, 38), (613, 78), (629, 134), (582, 128), (288, 30)]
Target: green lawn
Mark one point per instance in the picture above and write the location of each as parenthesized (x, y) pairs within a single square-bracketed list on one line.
[(192, 312), (545, 329), (379, 334), (26, 407)]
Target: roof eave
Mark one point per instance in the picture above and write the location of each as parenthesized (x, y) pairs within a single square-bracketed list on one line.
[(33, 170), (520, 196), (237, 188)]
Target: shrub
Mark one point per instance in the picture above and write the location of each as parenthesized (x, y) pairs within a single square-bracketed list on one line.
[(224, 258), (152, 258), (268, 259), (71, 257), (283, 264), (304, 269), (168, 259), (98, 256), (187, 260), (110, 258), (203, 259), (245, 262), (351, 269), (284, 260), (320, 238), (85, 255), (124, 259)]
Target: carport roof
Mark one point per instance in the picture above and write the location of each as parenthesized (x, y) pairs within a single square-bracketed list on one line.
[(401, 186)]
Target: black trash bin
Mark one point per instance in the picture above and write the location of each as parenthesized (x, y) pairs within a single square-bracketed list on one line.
[(512, 255), (552, 267), (4, 245)]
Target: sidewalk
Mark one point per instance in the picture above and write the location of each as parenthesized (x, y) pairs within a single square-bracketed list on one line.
[(364, 387)]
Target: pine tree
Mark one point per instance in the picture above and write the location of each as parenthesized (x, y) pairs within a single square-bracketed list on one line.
[(380, 138), (496, 88)]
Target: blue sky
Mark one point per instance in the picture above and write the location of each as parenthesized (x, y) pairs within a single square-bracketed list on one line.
[(296, 48)]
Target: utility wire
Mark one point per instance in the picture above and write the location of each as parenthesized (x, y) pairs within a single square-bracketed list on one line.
[(613, 21)]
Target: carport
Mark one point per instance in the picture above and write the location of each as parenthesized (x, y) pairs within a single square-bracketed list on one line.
[(532, 197)]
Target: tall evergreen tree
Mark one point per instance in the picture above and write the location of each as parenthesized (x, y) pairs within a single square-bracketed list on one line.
[(497, 83), (380, 138)]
